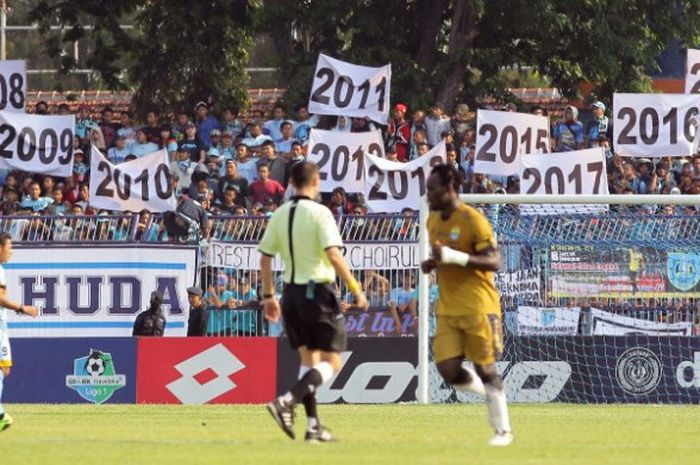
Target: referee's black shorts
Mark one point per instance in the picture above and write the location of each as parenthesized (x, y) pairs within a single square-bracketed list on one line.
[(316, 323)]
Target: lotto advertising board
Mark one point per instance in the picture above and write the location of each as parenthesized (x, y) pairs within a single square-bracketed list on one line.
[(375, 371), (577, 369), (72, 370), (208, 370)]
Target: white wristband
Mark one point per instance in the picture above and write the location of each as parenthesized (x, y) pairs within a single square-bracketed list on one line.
[(451, 256)]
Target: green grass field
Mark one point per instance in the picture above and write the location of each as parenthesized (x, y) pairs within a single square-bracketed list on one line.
[(386, 434)]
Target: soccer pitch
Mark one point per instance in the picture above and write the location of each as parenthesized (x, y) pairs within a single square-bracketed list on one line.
[(370, 434)]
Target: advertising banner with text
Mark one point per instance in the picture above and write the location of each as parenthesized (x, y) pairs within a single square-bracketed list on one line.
[(98, 290)]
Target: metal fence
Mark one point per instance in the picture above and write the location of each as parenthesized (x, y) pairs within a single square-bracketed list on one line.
[(232, 294)]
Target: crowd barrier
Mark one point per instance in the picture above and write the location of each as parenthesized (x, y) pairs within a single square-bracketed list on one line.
[(548, 261), (375, 370)]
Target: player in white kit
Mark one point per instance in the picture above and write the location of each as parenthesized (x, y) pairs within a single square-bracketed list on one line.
[(5, 305)]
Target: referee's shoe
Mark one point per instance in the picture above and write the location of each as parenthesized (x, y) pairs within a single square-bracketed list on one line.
[(283, 415), (319, 434)]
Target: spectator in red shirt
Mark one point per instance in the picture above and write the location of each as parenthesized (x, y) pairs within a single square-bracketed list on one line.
[(399, 132), (339, 204), (71, 192), (265, 189)]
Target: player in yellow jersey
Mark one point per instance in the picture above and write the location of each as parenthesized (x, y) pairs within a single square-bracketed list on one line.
[(635, 263), (465, 254)]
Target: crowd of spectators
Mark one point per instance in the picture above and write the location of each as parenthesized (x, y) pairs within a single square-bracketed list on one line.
[(235, 165)]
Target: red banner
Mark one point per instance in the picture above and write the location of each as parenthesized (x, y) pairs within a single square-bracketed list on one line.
[(206, 370)]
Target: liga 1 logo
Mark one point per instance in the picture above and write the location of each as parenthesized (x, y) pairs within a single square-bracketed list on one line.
[(638, 371), (94, 377)]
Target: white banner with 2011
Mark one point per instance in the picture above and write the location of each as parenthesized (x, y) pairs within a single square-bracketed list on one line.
[(341, 88)]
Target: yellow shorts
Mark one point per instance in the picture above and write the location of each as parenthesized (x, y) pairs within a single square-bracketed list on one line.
[(479, 338)]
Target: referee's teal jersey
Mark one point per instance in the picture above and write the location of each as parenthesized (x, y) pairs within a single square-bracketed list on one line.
[(302, 242)]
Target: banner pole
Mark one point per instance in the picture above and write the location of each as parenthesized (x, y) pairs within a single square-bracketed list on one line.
[(422, 394)]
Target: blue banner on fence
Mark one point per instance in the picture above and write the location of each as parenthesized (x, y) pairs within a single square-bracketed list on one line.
[(72, 370)]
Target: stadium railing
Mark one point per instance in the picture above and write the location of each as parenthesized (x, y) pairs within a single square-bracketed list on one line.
[(529, 237)]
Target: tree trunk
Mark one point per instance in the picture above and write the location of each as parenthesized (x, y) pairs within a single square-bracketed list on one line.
[(462, 35), (429, 15)]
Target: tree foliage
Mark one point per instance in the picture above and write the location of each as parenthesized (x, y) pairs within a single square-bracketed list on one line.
[(441, 50), (452, 50), (179, 52)]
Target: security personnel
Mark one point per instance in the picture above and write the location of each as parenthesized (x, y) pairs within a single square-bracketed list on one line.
[(306, 236), (199, 318), (151, 322)]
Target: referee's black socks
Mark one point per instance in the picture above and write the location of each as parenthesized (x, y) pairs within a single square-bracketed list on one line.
[(309, 383), (309, 402)]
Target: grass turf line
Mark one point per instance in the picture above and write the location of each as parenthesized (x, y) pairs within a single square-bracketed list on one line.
[(372, 434)]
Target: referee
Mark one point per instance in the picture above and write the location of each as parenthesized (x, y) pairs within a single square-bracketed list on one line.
[(306, 236)]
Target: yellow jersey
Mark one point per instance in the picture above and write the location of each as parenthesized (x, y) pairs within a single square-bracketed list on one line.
[(464, 291), (636, 259)]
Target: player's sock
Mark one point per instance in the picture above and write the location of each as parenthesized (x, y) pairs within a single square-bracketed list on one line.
[(2, 379), (498, 409), (309, 403), (468, 381), (308, 384)]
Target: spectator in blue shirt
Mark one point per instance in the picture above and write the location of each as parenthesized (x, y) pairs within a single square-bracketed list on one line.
[(284, 144), (568, 133), (231, 122), (244, 293), (218, 296), (400, 301), (80, 168), (599, 126), (83, 123), (634, 181), (118, 153), (35, 201), (205, 124), (142, 147), (273, 127), (247, 166), (304, 123), (256, 139)]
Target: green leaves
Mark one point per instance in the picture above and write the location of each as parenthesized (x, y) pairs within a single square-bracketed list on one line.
[(182, 51), (178, 53)]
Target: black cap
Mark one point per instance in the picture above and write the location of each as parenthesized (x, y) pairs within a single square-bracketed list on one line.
[(157, 296), (194, 290)]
